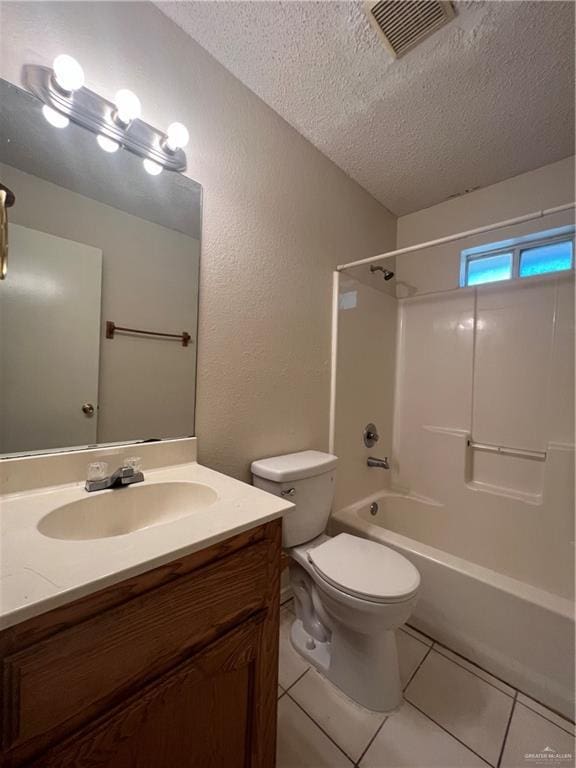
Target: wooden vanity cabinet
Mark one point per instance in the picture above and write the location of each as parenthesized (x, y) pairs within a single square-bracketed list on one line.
[(176, 667)]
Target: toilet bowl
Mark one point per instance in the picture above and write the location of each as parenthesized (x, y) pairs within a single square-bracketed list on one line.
[(350, 594)]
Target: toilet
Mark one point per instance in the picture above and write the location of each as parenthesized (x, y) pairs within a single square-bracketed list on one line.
[(350, 594)]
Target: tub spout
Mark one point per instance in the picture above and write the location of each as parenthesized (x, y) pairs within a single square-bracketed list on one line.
[(380, 463)]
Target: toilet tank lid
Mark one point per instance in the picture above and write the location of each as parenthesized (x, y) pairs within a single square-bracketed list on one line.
[(294, 466)]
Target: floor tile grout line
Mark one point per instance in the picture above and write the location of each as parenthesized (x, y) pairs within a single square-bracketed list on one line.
[(474, 664), (434, 642), (471, 671), (295, 681), (419, 631), (409, 634), (544, 706), (534, 711), (308, 715), (507, 731), (367, 747), (413, 675), (416, 634), (500, 679), (437, 646), (456, 738)]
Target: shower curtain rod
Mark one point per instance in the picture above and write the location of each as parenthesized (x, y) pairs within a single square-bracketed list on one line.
[(459, 235)]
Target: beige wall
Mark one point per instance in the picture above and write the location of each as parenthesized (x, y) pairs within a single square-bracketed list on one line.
[(278, 216), (545, 187), (149, 279)]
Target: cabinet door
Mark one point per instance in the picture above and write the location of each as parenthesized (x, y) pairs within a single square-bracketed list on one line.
[(200, 715)]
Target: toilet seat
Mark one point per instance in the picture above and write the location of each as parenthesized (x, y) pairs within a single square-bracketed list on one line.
[(365, 569)]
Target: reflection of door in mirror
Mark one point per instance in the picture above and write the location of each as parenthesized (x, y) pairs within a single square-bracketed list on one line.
[(94, 238), (50, 342)]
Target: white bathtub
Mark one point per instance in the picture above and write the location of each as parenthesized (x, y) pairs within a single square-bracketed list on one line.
[(520, 633)]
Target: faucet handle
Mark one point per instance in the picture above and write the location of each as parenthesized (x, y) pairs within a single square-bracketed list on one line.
[(97, 470), (134, 462)]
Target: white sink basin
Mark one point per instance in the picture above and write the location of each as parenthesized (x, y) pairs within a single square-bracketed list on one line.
[(103, 514)]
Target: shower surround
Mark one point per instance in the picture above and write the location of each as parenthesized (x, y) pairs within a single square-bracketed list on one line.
[(491, 532)]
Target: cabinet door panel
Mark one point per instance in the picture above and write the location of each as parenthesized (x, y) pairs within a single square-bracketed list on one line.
[(200, 715), (105, 656)]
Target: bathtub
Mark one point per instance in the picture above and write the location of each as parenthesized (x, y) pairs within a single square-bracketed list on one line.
[(519, 633)]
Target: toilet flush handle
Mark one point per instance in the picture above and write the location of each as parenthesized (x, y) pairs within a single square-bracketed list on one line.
[(288, 492)]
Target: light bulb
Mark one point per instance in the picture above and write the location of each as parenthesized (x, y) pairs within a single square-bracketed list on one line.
[(151, 167), (128, 106), (56, 119), (68, 74), (177, 136), (108, 145)]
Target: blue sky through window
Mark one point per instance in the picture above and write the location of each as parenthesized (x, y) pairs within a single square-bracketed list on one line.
[(552, 257), (490, 269)]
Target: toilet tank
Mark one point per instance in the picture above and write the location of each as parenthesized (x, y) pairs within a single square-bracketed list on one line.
[(308, 480)]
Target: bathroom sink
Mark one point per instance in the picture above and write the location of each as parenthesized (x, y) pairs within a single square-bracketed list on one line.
[(124, 510)]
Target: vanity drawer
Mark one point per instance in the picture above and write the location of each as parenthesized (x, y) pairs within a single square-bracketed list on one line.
[(79, 671)]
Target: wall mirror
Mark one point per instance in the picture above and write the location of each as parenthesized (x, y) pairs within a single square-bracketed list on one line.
[(100, 251)]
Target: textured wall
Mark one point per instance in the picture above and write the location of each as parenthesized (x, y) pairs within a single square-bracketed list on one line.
[(545, 187), (278, 216)]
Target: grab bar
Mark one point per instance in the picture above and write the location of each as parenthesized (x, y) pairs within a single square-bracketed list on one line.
[(504, 450)]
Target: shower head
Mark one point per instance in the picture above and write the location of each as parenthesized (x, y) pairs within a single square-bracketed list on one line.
[(388, 275)]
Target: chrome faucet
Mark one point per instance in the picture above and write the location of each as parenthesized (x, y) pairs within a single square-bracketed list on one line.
[(125, 475), (380, 463)]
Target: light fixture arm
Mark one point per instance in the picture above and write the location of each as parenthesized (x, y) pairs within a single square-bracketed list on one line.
[(95, 113)]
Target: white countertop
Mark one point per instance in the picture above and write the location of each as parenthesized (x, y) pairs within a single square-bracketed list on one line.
[(38, 573)]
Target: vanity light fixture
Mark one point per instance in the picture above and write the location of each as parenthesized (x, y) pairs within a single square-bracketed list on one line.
[(68, 74), (115, 124), (177, 137), (128, 107)]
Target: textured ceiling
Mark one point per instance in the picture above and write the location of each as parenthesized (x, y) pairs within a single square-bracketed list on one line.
[(488, 97)]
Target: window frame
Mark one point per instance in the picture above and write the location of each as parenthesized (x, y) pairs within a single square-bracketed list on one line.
[(515, 246)]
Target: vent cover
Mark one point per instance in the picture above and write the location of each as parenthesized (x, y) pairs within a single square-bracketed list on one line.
[(405, 23)]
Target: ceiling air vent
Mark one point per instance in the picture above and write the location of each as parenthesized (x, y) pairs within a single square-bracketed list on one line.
[(405, 23)]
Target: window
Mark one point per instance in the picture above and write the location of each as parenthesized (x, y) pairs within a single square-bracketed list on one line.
[(553, 257), (489, 269), (536, 254)]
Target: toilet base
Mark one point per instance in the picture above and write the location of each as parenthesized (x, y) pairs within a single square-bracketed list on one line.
[(316, 652), (365, 668)]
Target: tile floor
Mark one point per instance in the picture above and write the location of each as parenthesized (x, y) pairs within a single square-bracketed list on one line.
[(454, 715)]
